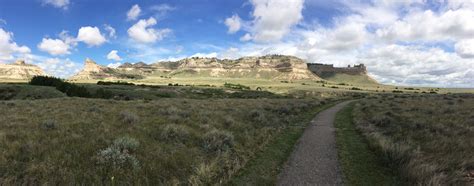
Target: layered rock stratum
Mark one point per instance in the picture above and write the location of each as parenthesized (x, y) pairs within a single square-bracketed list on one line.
[(265, 67), (19, 71)]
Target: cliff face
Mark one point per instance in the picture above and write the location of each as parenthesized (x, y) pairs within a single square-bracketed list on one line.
[(93, 71), (356, 74), (268, 67), (19, 71)]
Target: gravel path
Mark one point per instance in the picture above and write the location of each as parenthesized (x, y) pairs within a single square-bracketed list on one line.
[(314, 160)]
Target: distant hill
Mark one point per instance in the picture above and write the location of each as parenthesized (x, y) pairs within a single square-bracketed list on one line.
[(356, 74), (272, 67), (265, 67), (19, 71)]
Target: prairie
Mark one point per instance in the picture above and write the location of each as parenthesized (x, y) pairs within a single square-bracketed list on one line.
[(160, 141), (427, 138)]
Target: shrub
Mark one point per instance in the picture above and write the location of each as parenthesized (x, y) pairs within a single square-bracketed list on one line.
[(45, 81), (114, 83), (119, 154), (236, 86), (49, 124), (104, 94), (218, 141), (129, 118), (173, 132)]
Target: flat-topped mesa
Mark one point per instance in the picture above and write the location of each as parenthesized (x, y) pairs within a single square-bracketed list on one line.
[(20, 70), (323, 70)]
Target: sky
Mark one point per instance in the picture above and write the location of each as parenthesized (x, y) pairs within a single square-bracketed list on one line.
[(402, 42)]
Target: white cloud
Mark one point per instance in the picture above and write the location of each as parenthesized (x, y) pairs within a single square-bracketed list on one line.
[(114, 65), (161, 10), (233, 23), (465, 48), (9, 49), (54, 46), (133, 13), (91, 36), (114, 56), (207, 55), (111, 31), (57, 3), (273, 19), (246, 37), (429, 26), (141, 32), (63, 68)]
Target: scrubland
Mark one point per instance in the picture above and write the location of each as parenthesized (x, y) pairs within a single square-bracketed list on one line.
[(429, 139), (162, 141)]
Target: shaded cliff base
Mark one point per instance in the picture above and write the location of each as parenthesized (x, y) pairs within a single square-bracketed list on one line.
[(357, 79)]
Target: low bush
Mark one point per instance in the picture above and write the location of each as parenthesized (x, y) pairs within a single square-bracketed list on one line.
[(129, 118), (236, 86), (218, 141), (119, 155), (175, 133)]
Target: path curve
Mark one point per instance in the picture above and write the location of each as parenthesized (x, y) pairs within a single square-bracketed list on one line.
[(314, 160)]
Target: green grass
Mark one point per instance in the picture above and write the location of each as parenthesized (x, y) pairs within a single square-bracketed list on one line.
[(428, 138), (140, 142), (352, 79), (360, 164), (265, 167)]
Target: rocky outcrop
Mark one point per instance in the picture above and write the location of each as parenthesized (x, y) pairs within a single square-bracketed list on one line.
[(267, 67), (19, 71), (94, 71)]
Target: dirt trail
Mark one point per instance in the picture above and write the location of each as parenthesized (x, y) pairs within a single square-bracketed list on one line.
[(314, 160)]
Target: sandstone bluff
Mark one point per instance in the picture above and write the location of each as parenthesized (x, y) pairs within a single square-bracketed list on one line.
[(19, 71), (277, 67)]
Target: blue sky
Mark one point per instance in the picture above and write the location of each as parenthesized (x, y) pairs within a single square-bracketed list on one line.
[(418, 42)]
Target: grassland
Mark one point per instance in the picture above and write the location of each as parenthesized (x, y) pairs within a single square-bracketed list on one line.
[(360, 164), (143, 141), (427, 138)]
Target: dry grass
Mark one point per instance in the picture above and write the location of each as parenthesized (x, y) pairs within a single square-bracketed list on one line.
[(167, 141), (429, 138)]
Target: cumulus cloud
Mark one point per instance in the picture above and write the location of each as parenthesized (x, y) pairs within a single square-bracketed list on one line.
[(141, 31), (63, 68), (54, 46), (91, 36), (8, 48), (133, 13), (57, 3), (114, 56), (430, 26), (273, 19), (233, 23), (465, 48)]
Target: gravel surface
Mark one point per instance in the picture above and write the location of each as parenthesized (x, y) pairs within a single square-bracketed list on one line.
[(314, 160)]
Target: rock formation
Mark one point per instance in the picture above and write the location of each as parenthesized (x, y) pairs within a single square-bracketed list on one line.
[(276, 67), (19, 71), (266, 67)]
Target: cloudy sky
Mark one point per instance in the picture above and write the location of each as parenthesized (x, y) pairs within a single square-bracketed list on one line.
[(417, 42)]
